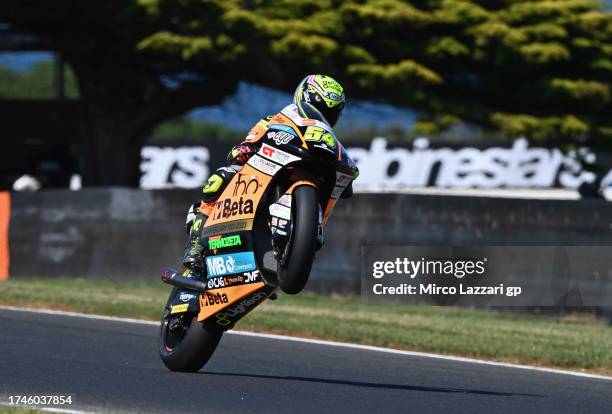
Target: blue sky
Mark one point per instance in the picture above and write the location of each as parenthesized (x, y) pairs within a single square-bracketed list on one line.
[(251, 102), (23, 61)]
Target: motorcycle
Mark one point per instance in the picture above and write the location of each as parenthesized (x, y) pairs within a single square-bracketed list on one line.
[(261, 234)]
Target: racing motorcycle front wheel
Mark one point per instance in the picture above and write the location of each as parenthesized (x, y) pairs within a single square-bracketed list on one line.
[(293, 274)]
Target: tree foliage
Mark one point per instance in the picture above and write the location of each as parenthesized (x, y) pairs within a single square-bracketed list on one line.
[(539, 68), (123, 92)]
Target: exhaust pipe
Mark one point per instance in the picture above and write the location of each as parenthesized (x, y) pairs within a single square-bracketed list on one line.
[(172, 277)]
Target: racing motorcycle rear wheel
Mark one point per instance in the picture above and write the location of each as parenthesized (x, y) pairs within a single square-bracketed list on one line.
[(293, 274), (186, 345)]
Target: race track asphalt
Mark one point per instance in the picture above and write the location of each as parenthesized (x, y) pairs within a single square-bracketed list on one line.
[(113, 366)]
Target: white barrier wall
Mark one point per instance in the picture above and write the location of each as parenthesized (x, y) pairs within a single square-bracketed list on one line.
[(395, 167)]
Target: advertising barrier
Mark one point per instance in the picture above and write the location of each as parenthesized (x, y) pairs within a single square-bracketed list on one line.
[(386, 166)]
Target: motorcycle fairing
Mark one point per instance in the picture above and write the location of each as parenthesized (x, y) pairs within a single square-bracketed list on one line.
[(342, 182), (185, 300), (240, 198), (238, 203), (227, 317), (215, 300), (282, 119)]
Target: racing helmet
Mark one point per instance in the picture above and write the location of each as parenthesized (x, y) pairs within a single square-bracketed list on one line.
[(320, 97)]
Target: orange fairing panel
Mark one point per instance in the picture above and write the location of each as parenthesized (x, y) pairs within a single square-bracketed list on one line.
[(255, 133), (284, 120), (216, 300), (240, 198), (330, 205)]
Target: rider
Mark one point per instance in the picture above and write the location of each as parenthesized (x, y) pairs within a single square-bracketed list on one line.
[(317, 97)]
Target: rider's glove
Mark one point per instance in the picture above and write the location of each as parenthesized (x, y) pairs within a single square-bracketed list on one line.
[(240, 154)]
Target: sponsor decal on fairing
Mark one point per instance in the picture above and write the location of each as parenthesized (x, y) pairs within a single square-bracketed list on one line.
[(264, 165), (277, 155), (227, 264)]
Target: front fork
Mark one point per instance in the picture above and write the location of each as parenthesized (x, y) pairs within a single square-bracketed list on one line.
[(281, 223)]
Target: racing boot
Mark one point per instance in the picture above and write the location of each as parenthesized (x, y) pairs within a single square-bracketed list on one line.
[(192, 257), (198, 214)]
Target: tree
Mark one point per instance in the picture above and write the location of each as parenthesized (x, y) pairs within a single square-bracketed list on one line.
[(540, 68), (534, 67), (123, 93)]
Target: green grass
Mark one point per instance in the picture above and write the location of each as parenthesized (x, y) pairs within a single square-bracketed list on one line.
[(19, 410), (572, 343)]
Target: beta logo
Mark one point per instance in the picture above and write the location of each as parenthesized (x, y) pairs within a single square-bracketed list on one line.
[(240, 203), (214, 244), (214, 299), (227, 208), (228, 264)]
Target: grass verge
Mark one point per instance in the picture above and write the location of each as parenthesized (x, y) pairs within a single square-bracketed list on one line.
[(19, 410), (579, 344)]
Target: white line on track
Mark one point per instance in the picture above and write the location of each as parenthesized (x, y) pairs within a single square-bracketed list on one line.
[(328, 343), (46, 409)]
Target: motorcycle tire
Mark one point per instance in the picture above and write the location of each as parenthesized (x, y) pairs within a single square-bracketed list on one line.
[(292, 276), (193, 350)]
